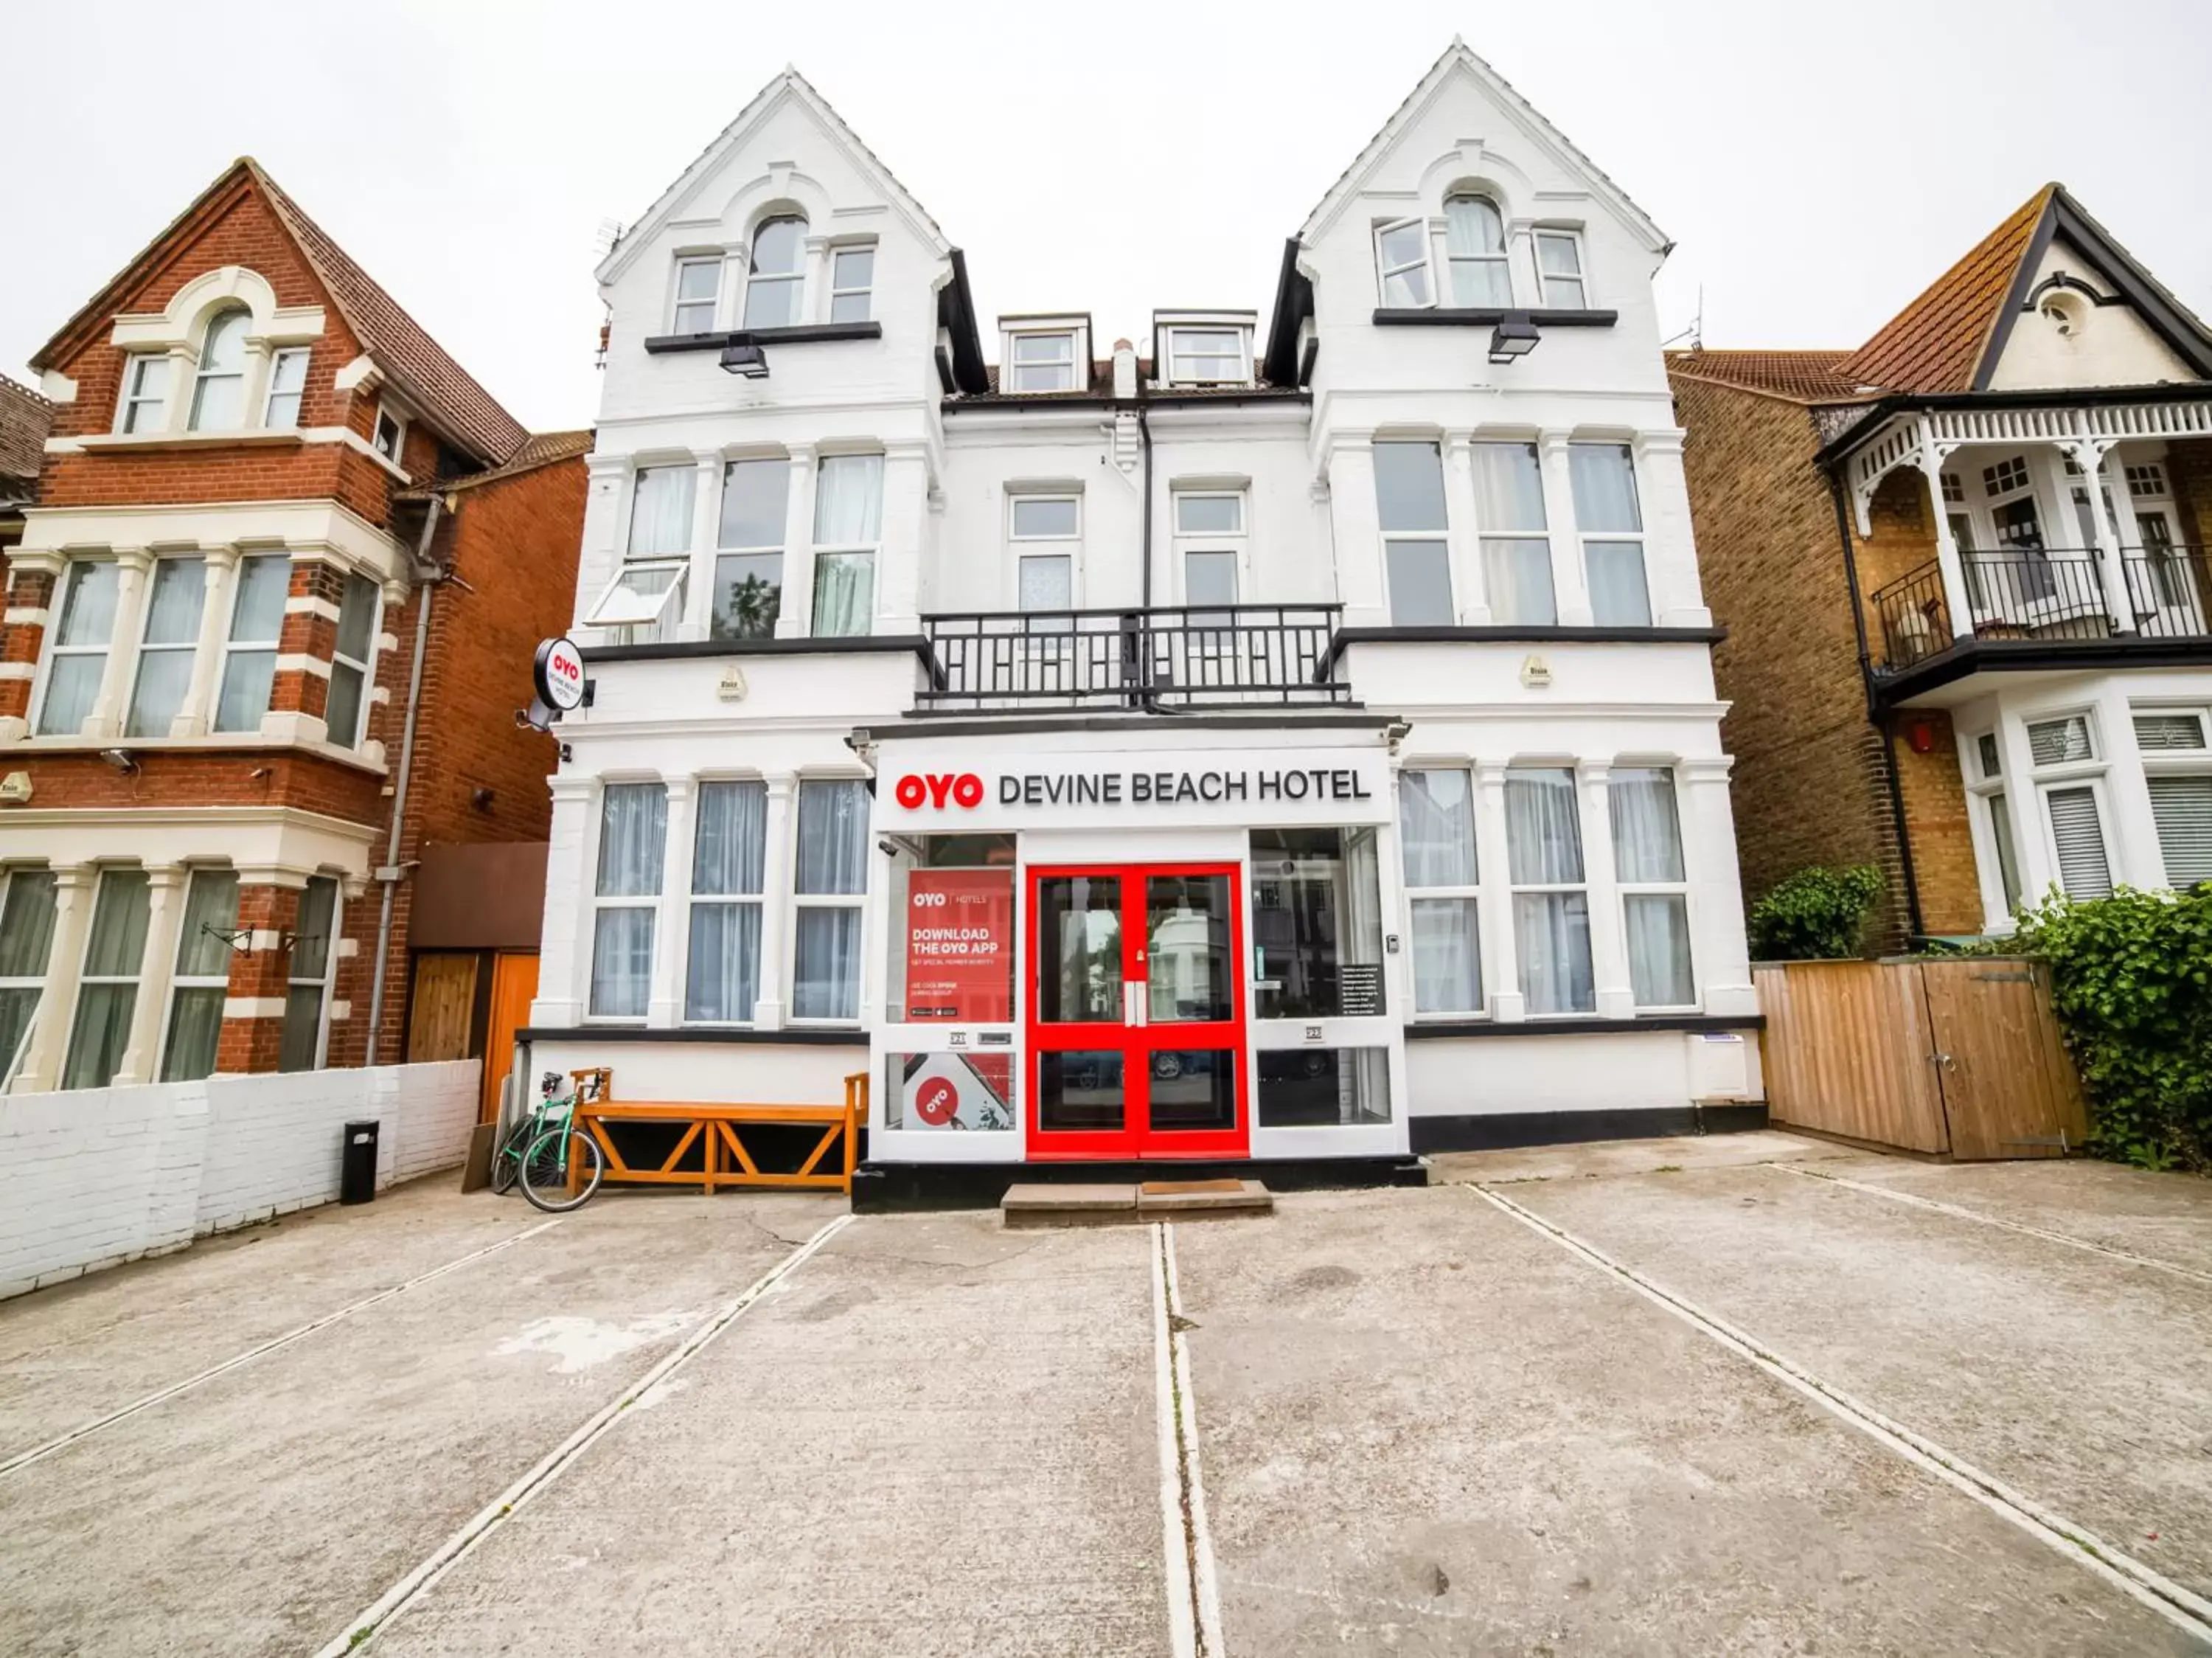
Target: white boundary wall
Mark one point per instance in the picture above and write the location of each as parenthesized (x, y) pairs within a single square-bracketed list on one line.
[(97, 1176)]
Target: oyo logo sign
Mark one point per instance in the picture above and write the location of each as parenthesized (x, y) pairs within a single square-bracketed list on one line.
[(559, 673), (916, 790), (937, 1101)]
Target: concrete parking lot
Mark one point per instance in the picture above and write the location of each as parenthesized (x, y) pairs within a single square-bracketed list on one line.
[(1746, 1394)]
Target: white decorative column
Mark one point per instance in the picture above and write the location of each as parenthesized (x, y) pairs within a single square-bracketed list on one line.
[(75, 885), (1948, 561), (1463, 534), (196, 718), (1615, 993), (564, 950), (796, 608), (111, 709), (898, 556), (671, 924), (164, 912), (1720, 957), (1501, 963), (1670, 557), (2031, 846), (1356, 527), (2141, 863), (815, 307), (2089, 455), (1569, 587), (777, 874), (706, 531)]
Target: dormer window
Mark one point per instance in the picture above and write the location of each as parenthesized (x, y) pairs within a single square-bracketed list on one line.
[(1204, 349), (698, 290), (219, 389), (1044, 352), (391, 434), (1044, 362), (777, 280)]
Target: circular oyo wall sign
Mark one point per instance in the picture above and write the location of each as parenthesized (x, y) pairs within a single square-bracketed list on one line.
[(559, 673), (937, 1101)]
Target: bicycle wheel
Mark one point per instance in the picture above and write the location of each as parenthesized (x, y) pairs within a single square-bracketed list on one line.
[(547, 1165), (505, 1166)]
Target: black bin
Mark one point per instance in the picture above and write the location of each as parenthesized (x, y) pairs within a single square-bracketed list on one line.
[(357, 1171)]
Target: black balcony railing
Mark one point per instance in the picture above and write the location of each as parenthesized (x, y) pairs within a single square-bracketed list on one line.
[(1230, 657), (2039, 594)]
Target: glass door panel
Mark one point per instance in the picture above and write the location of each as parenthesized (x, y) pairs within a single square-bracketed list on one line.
[(1192, 1089), (1079, 949), (1187, 963)]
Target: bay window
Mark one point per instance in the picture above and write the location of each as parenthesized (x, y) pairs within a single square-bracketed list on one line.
[(26, 939), (849, 514), (78, 656), (307, 992), (2071, 781), (107, 986), (202, 978), (1409, 491), (1987, 787), (167, 644), (749, 556), (2178, 766), (356, 646), (776, 282), (831, 885), (1435, 827), (257, 625), (1647, 853), (1611, 524), (632, 839), (1550, 901), (1517, 541), (219, 388), (728, 880)]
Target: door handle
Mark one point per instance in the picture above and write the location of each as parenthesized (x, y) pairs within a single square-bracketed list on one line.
[(1133, 1004)]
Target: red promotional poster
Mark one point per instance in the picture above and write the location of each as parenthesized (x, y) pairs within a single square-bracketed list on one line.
[(960, 946)]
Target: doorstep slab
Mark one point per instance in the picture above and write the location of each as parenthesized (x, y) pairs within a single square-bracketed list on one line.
[(1043, 1203), (1166, 1199)]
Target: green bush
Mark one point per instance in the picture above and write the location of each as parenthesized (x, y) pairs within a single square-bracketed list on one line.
[(2131, 980), (1816, 914)]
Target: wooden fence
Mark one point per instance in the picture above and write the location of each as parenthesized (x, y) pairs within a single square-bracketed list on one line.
[(1960, 1057)]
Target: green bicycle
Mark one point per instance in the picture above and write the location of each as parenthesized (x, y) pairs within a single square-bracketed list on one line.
[(558, 1164)]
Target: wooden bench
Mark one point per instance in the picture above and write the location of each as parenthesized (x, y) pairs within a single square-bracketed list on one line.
[(720, 1130)]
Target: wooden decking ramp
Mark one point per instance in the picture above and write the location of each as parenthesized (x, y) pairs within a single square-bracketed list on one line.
[(717, 1134)]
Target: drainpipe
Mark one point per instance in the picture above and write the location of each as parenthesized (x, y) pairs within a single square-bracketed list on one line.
[(388, 877)]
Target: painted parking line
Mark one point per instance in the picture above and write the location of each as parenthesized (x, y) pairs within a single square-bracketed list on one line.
[(24, 1459), (1194, 1587), (379, 1613), (2180, 1606), (1959, 1212)]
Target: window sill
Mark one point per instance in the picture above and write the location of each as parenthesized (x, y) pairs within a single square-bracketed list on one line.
[(1585, 1025), (1446, 316), (797, 1037), (256, 437), (212, 743), (798, 334)]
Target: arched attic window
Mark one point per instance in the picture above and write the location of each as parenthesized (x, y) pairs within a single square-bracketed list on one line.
[(777, 277), (219, 388), (1474, 250)]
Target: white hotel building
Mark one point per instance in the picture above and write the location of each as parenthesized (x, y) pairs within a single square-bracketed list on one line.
[(1294, 737)]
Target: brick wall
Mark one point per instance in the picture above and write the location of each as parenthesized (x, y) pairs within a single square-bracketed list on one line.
[(1808, 786), (1935, 799)]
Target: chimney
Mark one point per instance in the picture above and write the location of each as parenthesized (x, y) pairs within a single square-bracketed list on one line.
[(1125, 368)]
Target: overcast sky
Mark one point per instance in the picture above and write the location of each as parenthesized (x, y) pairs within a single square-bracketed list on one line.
[(1816, 167)]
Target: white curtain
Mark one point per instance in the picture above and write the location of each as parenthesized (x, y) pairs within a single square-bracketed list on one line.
[(660, 511), (256, 618), (848, 501), (204, 950), (844, 594), (1659, 949), (26, 936), (1436, 828), (1475, 240), (722, 982), (826, 975), (1509, 485), (115, 951), (1551, 932), (1647, 834), (173, 610), (833, 837), (1518, 571), (1543, 831), (731, 843), (1447, 956), (1619, 597), (621, 962), (633, 832), (173, 619), (1605, 487), (195, 1033)]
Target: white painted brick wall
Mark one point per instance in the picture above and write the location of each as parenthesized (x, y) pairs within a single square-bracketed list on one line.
[(96, 1176)]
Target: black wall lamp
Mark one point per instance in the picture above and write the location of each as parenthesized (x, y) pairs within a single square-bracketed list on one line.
[(1513, 338), (744, 358)]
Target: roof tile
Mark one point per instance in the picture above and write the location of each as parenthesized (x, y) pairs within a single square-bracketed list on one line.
[(1795, 376)]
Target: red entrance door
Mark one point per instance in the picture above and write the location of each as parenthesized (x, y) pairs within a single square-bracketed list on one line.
[(1136, 1012)]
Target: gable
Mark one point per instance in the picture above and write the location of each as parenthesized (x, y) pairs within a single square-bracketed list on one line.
[(2078, 327)]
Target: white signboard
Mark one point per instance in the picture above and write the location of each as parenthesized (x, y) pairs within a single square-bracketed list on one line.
[(1161, 789)]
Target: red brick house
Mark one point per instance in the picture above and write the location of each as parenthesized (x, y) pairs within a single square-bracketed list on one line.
[(1964, 573), (279, 588)]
